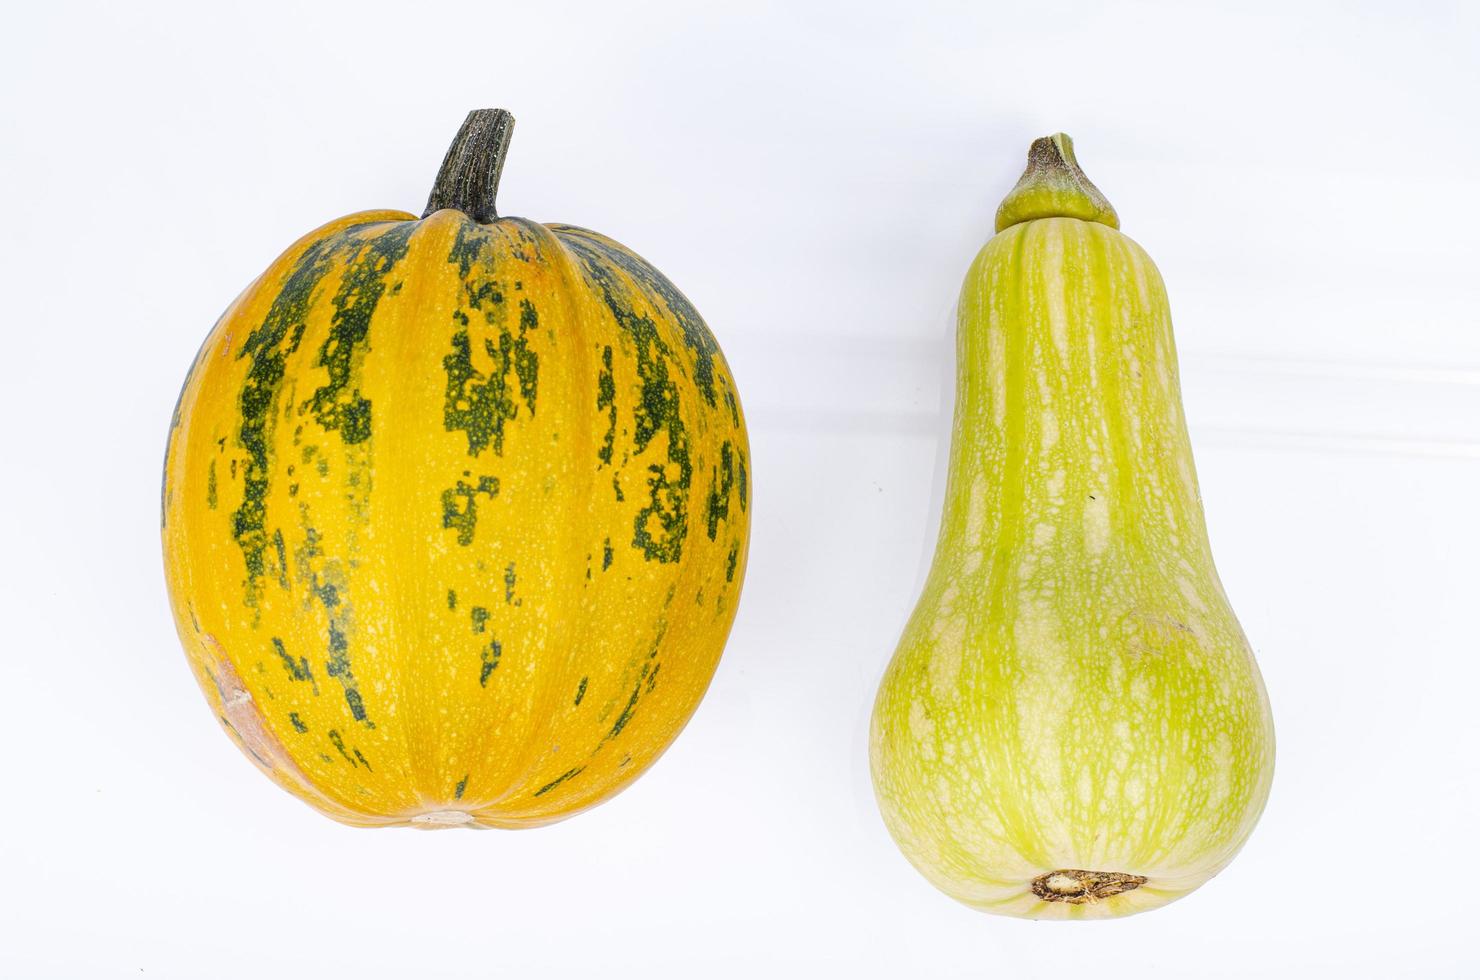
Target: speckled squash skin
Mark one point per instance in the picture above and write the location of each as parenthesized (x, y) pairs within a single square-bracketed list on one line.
[(1073, 725), (455, 518)]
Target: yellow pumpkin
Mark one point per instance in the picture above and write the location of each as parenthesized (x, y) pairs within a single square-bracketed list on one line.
[(455, 511)]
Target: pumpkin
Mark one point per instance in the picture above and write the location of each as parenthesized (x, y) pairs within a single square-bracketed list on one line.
[(1073, 724), (455, 511)]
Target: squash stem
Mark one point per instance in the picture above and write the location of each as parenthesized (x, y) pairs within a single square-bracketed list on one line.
[(468, 180), (1053, 186)]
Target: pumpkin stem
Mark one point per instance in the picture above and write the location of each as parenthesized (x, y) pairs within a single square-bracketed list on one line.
[(1054, 186), (468, 180)]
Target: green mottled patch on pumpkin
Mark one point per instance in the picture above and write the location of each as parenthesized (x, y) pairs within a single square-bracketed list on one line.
[(722, 480), (646, 678), (526, 361), (466, 246), (297, 669), (733, 406), (460, 506), (281, 549), (339, 746), (490, 657), (742, 478), (628, 709), (660, 527), (338, 404), (356, 703), (344, 750), (479, 404), (658, 290), (568, 774), (606, 401), (326, 582), (268, 347), (373, 250)]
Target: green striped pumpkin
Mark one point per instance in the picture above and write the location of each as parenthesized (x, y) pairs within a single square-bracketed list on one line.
[(456, 511)]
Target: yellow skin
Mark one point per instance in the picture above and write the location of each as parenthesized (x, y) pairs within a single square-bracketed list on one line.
[(1072, 692), (453, 531)]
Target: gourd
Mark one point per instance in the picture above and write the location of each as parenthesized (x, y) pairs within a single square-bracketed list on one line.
[(455, 511), (1073, 724)]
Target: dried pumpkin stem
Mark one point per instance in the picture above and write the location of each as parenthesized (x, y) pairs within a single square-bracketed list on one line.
[(468, 180)]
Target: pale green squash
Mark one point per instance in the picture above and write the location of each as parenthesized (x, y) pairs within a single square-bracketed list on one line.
[(1073, 725)]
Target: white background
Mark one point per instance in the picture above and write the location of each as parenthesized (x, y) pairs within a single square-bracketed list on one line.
[(816, 178)]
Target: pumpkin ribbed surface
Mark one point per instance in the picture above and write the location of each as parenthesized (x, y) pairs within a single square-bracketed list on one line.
[(455, 518)]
